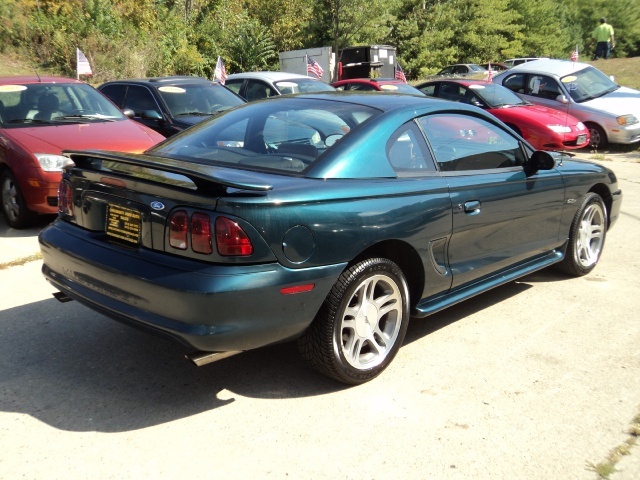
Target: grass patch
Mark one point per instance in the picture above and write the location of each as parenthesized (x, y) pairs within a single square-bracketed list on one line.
[(21, 261), (624, 70), (607, 467)]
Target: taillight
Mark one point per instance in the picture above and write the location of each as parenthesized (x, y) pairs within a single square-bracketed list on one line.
[(179, 230), (65, 198), (231, 240), (201, 233)]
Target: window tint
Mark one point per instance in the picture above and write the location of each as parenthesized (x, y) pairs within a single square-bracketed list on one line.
[(407, 151), (258, 90), (140, 99), (515, 83), (234, 85), (429, 89), (115, 93), (467, 143)]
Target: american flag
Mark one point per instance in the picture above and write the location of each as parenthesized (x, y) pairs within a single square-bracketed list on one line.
[(400, 73), (220, 73), (83, 67), (490, 75), (574, 55), (314, 67)]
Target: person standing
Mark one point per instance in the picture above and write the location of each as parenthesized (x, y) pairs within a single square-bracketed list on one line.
[(603, 35)]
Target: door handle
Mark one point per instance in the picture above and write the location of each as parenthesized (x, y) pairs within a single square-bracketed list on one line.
[(472, 207)]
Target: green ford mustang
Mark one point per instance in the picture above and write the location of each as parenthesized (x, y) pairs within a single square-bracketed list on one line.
[(328, 218)]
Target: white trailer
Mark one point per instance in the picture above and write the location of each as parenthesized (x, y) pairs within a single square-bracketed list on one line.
[(295, 61)]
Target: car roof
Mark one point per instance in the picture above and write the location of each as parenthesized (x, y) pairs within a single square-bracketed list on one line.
[(270, 76), (36, 79), (550, 66), (387, 102), (462, 81), (370, 80), (169, 80)]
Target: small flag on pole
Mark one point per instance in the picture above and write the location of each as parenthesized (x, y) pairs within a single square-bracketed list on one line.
[(82, 64), (220, 73), (314, 67), (400, 73), (490, 75), (574, 55)]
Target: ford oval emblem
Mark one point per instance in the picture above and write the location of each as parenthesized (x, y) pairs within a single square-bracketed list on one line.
[(157, 205)]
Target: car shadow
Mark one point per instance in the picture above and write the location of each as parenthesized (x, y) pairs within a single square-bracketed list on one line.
[(77, 370), (7, 232)]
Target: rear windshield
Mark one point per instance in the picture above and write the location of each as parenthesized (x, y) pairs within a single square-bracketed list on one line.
[(284, 135), (302, 85)]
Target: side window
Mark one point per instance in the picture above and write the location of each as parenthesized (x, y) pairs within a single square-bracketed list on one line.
[(140, 99), (429, 90), (543, 87), (258, 91), (461, 142), (234, 85), (407, 152), (115, 93), (515, 83)]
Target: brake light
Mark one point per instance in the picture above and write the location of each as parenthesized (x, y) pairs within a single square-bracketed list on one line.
[(231, 240), (179, 229), (65, 198), (201, 233)]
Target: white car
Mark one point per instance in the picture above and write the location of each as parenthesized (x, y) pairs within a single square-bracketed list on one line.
[(258, 85), (512, 62), (610, 112)]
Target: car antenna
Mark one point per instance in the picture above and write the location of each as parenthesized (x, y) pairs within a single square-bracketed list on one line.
[(37, 75)]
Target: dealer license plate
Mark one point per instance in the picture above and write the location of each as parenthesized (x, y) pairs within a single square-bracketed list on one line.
[(581, 139), (123, 223)]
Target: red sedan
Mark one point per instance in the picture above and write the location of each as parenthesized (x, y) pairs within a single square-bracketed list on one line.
[(543, 127), (39, 118), (375, 85)]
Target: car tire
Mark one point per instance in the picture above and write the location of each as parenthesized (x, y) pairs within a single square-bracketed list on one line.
[(14, 207), (586, 237), (598, 136), (361, 324)]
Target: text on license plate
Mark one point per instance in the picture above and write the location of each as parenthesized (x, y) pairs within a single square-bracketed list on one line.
[(123, 223)]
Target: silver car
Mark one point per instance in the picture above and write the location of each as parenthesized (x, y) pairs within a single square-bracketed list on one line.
[(611, 112), (258, 85)]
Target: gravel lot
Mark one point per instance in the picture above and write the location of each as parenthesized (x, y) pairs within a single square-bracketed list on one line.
[(534, 380)]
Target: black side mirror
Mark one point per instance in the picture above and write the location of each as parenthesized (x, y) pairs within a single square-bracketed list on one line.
[(541, 160)]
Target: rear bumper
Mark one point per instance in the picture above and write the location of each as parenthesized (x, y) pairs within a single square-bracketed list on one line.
[(208, 307)]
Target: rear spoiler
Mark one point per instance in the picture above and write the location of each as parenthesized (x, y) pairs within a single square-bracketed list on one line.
[(198, 173)]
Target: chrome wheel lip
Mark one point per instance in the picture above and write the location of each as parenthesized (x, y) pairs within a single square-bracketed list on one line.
[(590, 237), (371, 322), (10, 199)]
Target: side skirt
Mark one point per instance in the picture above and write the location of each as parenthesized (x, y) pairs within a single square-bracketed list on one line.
[(432, 305)]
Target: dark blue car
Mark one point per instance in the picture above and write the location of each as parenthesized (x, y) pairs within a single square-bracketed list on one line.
[(327, 218)]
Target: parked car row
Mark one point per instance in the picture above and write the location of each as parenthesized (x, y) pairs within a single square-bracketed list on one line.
[(552, 104)]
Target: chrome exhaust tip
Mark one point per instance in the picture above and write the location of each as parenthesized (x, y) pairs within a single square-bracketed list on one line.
[(203, 358)]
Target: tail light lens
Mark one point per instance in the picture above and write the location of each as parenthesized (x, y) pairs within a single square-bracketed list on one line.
[(231, 240), (201, 233), (65, 198), (179, 230)]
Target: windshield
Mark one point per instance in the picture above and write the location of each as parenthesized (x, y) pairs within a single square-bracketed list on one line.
[(286, 135), (198, 99), (587, 84), (35, 104), (302, 85), (476, 68), (495, 95)]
